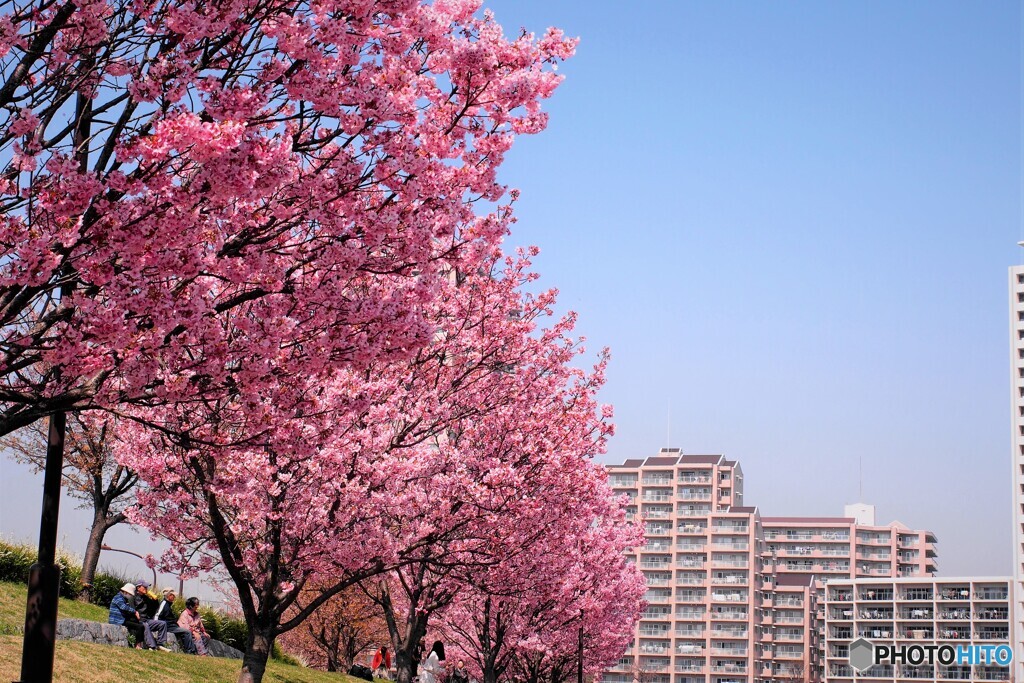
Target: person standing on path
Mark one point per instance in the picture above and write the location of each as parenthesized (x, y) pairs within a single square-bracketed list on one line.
[(434, 666), (382, 663)]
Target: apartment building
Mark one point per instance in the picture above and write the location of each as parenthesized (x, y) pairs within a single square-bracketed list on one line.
[(700, 560), (954, 611), (1017, 458), (733, 597), (846, 547)]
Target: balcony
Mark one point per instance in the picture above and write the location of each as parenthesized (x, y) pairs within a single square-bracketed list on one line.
[(728, 633), (922, 613), (656, 547), (694, 511), (692, 478), (653, 648), (729, 668), (691, 596), (689, 563), (733, 579), (917, 672), (694, 494), (660, 480), (721, 527), (876, 614), (960, 614), (917, 594), (690, 546), (992, 613), (730, 545), (729, 615), (729, 596), (874, 632), (652, 497), (991, 594), (656, 514), (960, 593), (993, 634), (876, 595), (685, 528), (996, 673), (622, 482), (729, 651), (649, 564), (962, 633), (954, 673)]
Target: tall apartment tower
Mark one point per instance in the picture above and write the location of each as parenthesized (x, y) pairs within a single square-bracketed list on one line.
[(701, 565), (733, 597), (1017, 476)]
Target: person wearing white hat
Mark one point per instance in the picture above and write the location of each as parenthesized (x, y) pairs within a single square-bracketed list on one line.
[(122, 611)]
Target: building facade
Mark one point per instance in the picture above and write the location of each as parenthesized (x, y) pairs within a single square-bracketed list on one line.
[(1017, 457), (733, 597), (954, 611)]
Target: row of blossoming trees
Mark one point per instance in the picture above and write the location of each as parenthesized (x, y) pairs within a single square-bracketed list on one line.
[(263, 239)]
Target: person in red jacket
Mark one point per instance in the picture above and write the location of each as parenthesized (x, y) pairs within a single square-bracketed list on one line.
[(382, 663)]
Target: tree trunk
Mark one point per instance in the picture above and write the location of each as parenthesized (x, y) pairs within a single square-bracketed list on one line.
[(92, 555), (257, 651)]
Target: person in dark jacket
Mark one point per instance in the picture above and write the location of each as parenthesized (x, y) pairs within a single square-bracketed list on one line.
[(459, 673), (165, 613), (123, 612), (155, 633)]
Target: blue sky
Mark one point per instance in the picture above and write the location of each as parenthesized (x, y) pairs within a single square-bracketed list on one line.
[(791, 222)]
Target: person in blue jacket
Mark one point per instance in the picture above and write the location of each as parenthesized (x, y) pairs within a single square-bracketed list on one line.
[(123, 612)]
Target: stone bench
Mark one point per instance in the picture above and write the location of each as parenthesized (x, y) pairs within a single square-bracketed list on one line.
[(115, 634)]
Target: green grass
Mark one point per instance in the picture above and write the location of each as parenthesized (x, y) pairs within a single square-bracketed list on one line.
[(91, 663), (12, 609)]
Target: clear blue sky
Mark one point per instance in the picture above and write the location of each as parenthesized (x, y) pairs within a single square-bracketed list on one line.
[(791, 222)]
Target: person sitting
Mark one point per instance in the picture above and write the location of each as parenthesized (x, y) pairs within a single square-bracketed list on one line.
[(154, 631), (459, 673), (165, 613), (191, 621), (382, 663), (123, 612)]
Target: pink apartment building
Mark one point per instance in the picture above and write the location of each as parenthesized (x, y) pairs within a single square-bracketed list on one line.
[(733, 597)]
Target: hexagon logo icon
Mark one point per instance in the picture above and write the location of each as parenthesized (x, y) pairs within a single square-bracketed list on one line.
[(862, 654)]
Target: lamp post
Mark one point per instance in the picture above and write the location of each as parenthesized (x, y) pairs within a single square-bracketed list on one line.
[(44, 576), (129, 552)]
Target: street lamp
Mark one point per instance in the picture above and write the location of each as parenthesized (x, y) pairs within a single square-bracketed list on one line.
[(129, 552)]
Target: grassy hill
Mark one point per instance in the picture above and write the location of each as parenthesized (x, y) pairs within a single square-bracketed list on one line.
[(90, 663)]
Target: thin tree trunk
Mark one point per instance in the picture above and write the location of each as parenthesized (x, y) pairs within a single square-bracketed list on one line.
[(257, 651), (92, 555)]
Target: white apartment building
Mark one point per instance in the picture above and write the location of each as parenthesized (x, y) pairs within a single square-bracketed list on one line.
[(1017, 459)]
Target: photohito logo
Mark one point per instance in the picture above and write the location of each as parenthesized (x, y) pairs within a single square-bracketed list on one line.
[(864, 654)]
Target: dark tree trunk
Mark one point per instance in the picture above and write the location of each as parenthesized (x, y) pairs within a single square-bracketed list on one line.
[(92, 554), (257, 651)]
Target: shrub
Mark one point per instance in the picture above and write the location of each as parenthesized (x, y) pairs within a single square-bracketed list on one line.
[(279, 655), (15, 559), (105, 586)]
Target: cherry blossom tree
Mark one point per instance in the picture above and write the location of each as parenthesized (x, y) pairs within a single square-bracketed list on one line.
[(522, 619), (202, 200), (410, 462), (338, 631), (91, 474)]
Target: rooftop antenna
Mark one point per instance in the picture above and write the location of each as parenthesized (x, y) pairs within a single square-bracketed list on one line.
[(668, 436), (860, 480)]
